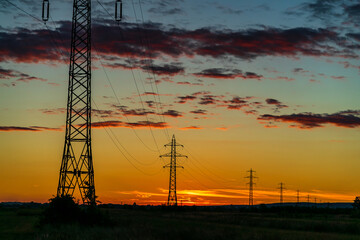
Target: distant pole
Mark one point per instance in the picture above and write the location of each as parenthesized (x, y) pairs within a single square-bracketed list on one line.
[(251, 186), (172, 198), (308, 199), (281, 192), (298, 197)]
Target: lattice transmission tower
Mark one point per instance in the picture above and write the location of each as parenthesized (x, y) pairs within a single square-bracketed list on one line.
[(251, 186), (173, 155), (77, 169), (281, 187), (297, 196)]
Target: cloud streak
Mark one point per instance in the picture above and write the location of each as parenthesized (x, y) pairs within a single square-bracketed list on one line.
[(139, 124), (174, 42), (224, 73), (27, 129), (346, 119)]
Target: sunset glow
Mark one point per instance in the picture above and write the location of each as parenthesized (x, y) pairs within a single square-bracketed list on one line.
[(241, 84)]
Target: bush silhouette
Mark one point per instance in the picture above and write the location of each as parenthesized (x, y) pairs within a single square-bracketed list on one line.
[(356, 203), (64, 210)]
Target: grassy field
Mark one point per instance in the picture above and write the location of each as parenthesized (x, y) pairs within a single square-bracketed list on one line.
[(18, 223)]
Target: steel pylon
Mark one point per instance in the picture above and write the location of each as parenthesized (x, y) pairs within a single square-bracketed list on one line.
[(77, 168), (281, 187), (251, 186), (173, 155)]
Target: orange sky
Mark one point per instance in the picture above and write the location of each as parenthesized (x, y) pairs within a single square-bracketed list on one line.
[(241, 84)]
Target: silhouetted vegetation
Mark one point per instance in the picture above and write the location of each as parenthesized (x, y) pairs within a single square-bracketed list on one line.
[(160, 222), (356, 203), (64, 210)]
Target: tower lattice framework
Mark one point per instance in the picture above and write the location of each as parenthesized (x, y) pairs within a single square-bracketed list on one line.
[(251, 186), (173, 155), (77, 168), (281, 188)]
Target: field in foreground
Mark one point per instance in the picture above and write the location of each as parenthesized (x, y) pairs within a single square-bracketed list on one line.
[(23, 223)]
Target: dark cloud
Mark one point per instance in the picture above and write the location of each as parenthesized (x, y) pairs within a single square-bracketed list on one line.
[(191, 128), (184, 99), (199, 111), (166, 69), (135, 112), (163, 11), (150, 103), (148, 66), (105, 113), (237, 103), (318, 9), (18, 76), (27, 129), (225, 73), (166, 7), (346, 11), (353, 11), (140, 124), (7, 73), (277, 103), (172, 113), (355, 36), (272, 101), (299, 70), (39, 47), (347, 119), (207, 100), (47, 45), (322, 8), (54, 111), (150, 93), (189, 83), (228, 10)]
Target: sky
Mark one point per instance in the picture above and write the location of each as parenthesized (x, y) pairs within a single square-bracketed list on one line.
[(269, 86)]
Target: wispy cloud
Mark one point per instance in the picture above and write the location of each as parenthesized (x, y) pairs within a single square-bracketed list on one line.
[(347, 119)]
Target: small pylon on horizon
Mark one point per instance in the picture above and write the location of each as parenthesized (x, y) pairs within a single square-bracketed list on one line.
[(172, 197)]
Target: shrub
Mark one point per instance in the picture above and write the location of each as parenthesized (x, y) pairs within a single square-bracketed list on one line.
[(64, 210)]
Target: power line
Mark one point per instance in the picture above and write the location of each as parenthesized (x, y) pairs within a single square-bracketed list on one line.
[(161, 113), (150, 63), (127, 119), (116, 145), (137, 88), (30, 15), (118, 103), (187, 149)]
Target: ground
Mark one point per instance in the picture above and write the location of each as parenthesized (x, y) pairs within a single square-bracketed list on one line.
[(191, 223)]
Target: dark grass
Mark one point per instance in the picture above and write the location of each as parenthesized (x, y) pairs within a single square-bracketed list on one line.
[(190, 223)]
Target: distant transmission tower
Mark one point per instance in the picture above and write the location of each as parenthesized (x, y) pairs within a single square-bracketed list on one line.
[(77, 163), (308, 199), (251, 186), (281, 192), (298, 197), (172, 198)]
